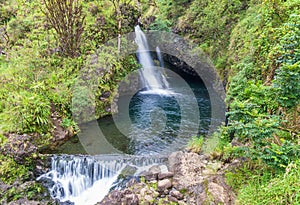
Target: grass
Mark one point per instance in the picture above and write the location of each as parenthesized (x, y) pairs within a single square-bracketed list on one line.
[(255, 184), (195, 144)]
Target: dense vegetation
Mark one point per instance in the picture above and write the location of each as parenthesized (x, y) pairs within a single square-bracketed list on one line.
[(254, 44), (41, 56)]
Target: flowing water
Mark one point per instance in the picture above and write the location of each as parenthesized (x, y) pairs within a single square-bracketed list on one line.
[(85, 180), (157, 120), (152, 77), (160, 58)]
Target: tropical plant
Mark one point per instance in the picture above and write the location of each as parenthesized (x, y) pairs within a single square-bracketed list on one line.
[(67, 18)]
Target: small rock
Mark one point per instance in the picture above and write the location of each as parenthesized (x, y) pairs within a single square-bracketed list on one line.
[(165, 175), (149, 176), (105, 94), (128, 171), (148, 198), (218, 192), (215, 165), (155, 169), (117, 197), (131, 199), (163, 168), (153, 182), (173, 160), (66, 203), (204, 157), (155, 194), (208, 172), (176, 194), (152, 189), (164, 184), (137, 187), (173, 199), (131, 182), (143, 192)]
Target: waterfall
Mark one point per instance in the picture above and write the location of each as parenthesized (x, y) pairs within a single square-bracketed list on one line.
[(159, 56), (86, 180), (152, 77), (161, 64)]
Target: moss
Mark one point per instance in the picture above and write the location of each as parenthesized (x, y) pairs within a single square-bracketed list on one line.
[(31, 191), (183, 191)]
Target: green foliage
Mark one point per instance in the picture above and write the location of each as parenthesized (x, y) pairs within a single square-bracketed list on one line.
[(254, 104), (18, 28), (287, 79), (283, 189), (254, 171), (102, 21), (10, 170), (280, 155), (31, 192), (7, 10), (170, 11), (195, 144), (257, 35), (66, 123), (3, 140), (31, 113), (35, 79), (252, 121), (160, 25), (210, 23)]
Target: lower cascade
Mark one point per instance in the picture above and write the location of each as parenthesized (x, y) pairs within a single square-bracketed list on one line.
[(86, 180)]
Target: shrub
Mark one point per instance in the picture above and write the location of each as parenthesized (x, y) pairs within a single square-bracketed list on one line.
[(287, 79), (67, 18), (195, 144), (11, 170), (26, 112)]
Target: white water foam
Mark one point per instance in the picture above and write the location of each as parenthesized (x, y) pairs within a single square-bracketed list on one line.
[(158, 92), (95, 193), (87, 180)]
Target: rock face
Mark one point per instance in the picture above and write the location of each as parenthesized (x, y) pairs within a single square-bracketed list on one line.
[(120, 197), (200, 179), (19, 146), (27, 202), (59, 133), (179, 64), (190, 179)]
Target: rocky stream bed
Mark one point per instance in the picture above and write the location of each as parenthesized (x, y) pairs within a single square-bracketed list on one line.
[(188, 178)]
